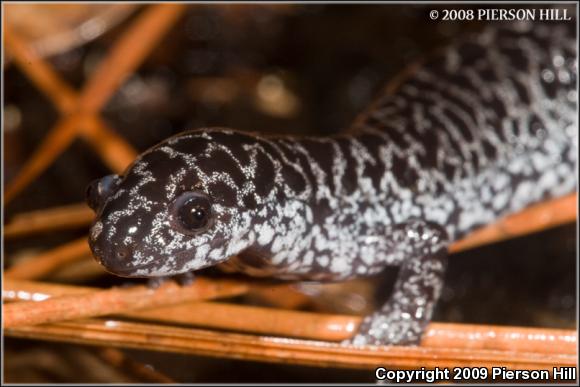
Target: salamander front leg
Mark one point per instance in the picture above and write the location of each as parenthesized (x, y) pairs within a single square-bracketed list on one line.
[(403, 319)]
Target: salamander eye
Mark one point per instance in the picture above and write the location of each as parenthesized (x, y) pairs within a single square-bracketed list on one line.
[(191, 212), (98, 191), (92, 196)]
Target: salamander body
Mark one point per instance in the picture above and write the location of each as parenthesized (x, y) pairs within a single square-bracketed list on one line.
[(482, 129)]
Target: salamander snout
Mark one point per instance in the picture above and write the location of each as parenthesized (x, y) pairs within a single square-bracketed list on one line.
[(118, 259)]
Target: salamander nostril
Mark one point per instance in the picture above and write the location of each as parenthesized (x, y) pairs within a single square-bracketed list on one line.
[(123, 252)]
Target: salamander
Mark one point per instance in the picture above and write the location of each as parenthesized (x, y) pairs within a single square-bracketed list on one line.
[(481, 129)]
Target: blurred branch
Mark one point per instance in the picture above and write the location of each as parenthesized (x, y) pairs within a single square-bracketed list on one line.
[(45, 263), (117, 153), (39, 71), (128, 53), (538, 217), (77, 110), (125, 364), (326, 327), (316, 326), (49, 219), (314, 353), (57, 140), (115, 300)]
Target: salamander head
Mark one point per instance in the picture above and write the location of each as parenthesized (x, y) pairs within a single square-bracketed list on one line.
[(183, 205)]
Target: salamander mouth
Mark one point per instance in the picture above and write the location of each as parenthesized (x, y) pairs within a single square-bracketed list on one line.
[(106, 261), (129, 272)]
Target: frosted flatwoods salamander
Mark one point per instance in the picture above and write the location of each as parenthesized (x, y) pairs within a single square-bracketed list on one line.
[(482, 129)]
